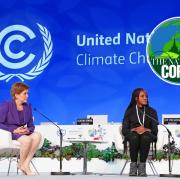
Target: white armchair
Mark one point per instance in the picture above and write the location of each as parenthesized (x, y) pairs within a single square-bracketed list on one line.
[(7, 145), (10, 148)]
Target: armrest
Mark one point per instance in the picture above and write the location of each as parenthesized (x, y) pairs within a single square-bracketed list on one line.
[(118, 139), (41, 142), (5, 138)]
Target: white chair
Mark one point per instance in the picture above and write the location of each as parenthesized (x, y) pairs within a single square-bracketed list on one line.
[(9, 149)]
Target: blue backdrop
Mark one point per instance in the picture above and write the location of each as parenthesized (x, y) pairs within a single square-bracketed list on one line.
[(112, 34)]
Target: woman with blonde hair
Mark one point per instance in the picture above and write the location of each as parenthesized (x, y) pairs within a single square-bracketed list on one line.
[(16, 117)]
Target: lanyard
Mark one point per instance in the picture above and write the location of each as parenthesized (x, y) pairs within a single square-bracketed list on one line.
[(138, 116)]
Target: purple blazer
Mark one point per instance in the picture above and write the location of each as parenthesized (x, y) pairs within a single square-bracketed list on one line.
[(9, 118)]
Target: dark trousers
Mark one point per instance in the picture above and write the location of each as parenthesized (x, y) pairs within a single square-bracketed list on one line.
[(139, 144)]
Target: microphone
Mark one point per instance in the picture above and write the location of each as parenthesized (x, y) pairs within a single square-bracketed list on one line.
[(35, 109), (60, 145), (157, 123), (169, 149)]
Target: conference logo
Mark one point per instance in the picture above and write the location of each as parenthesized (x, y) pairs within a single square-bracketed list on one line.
[(163, 50), (13, 60)]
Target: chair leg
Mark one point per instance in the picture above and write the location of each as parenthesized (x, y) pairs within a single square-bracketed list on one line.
[(9, 166), (124, 166), (34, 167), (152, 167), (17, 166)]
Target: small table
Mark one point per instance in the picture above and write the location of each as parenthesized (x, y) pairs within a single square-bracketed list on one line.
[(85, 142)]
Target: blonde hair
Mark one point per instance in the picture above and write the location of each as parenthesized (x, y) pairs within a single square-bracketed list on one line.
[(17, 88)]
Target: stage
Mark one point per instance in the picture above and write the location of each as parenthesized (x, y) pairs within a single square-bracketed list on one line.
[(47, 176)]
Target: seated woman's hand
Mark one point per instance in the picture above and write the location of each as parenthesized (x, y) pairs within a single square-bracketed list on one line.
[(21, 130), (139, 130), (25, 130)]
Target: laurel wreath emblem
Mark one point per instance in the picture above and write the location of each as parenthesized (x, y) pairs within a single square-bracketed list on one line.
[(42, 63)]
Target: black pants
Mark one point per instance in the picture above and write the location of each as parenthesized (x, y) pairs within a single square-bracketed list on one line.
[(139, 144)]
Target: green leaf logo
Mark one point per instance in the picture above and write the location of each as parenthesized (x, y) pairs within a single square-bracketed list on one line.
[(163, 50)]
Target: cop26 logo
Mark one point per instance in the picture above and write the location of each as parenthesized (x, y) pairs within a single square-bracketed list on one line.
[(11, 35), (163, 50)]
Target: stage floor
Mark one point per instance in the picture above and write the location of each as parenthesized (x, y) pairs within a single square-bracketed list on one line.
[(47, 176)]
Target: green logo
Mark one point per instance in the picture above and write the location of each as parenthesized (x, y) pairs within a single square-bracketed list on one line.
[(163, 50)]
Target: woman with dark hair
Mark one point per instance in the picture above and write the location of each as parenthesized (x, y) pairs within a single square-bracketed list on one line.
[(16, 117), (140, 129)]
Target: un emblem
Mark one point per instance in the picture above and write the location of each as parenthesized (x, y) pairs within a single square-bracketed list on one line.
[(24, 34)]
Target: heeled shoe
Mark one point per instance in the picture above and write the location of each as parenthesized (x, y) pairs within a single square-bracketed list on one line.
[(27, 173), (30, 173), (22, 170), (19, 167)]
